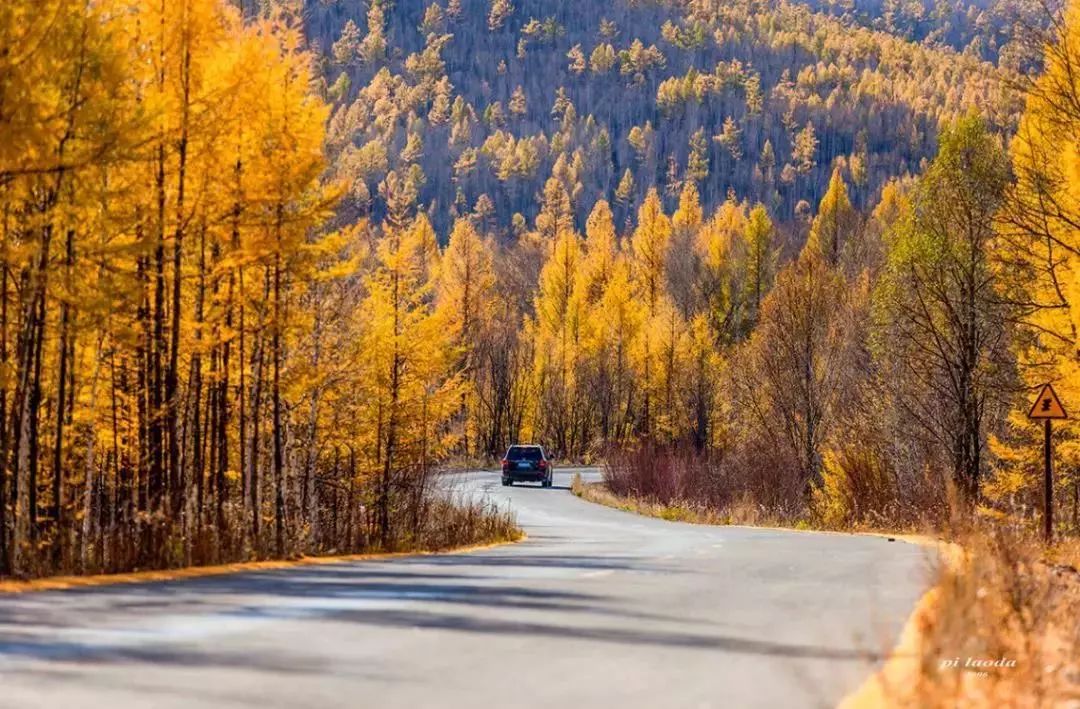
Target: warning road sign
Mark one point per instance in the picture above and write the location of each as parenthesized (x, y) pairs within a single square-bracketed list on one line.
[(1046, 408), (1048, 405)]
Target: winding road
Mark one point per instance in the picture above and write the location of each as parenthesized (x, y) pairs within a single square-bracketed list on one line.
[(597, 608)]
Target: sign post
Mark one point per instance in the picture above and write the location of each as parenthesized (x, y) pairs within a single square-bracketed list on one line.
[(1046, 408)]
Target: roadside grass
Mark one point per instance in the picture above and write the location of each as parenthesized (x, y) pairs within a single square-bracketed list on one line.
[(1000, 627), (446, 523), (741, 512), (453, 521), (676, 510), (720, 488)]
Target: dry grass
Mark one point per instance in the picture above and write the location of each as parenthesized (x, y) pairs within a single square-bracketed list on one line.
[(1000, 628), (742, 512), (675, 512), (56, 583), (447, 523), (454, 521), (720, 488), (677, 482)]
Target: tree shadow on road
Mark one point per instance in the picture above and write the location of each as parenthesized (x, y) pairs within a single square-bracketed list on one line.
[(620, 635), (80, 624), (483, 594)]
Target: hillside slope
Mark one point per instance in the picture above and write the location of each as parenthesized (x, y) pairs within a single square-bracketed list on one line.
[(474, 104)]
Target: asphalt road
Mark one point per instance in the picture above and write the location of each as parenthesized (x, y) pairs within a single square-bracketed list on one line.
[(598, 608)]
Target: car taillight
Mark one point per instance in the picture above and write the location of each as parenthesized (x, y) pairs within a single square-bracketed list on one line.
[(543, 464), (505, 462)]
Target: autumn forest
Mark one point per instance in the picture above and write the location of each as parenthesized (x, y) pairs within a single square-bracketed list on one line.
[(267, 267)]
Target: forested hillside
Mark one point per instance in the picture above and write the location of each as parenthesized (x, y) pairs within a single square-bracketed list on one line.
[(474, 105)]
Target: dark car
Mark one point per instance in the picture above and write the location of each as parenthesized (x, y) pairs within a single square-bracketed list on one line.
[(526, 464)]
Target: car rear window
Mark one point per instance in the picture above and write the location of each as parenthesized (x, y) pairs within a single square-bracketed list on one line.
[(530, 453)]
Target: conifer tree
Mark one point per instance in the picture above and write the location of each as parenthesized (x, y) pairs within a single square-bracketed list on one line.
[(649, 246), (500, 12), (1037, 251), (406, 344), (616, 329), (601, 252), (683, 264), (761, 259), (557, 331), (466, 291), (836, 221)]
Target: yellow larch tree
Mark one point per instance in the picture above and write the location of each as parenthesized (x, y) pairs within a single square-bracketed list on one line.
[(62, 86), (684, 261), (557, 333), (178, 320), (406, 350), (294, 202), (761, 257), (617, 325), (1039, 253), (601, 251), (601, 263), (836, 221), (667, 360), (650, 245), (704, 368), (719, 245), (466, 293)]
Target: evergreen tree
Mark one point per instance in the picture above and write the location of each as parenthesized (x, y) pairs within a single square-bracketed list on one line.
[(835, 223)]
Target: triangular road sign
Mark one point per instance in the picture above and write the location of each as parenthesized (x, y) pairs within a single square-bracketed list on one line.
[(1048, 405)]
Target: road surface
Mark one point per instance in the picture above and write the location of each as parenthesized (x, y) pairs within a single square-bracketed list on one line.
[(598, 608)]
